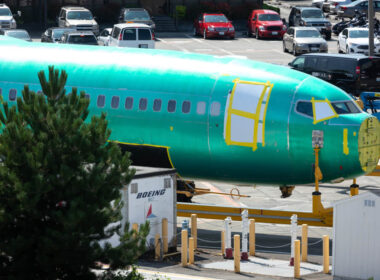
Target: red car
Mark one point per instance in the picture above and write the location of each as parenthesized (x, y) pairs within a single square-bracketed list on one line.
[(265, 23), (213, 25)]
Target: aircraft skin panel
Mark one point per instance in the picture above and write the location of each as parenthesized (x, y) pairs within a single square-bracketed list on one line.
[(195, 142)]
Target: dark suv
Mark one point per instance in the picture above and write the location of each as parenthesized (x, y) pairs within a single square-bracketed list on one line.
[(77, 37), (136, 15), (353, 73), (310, 16)]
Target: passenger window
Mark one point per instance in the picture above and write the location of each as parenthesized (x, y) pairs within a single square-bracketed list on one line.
[(101, 101), (299, 63), (115, 102), (1, 91), (12, 94), (201, 108), (144, 34), (85, 96), (186, 107), (322, 63), (143, 104), (116, 33), (157, 105), (129, 34), (172, 106), (128, 103), (215, 108), (40, 92), (305, 108)]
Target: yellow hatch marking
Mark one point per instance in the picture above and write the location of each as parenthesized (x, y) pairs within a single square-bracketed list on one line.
[(253, 116), (346, 151)]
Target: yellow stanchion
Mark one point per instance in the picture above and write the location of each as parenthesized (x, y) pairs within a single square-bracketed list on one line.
[(252, 237), (191, 250), (157, 245), (297, 260), (223, 246), (184, 247), (165, 235), (194, 229), (326, 254), (304, 242), (237, 253)]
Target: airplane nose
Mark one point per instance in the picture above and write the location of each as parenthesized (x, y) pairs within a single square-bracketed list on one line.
[(369, 144)]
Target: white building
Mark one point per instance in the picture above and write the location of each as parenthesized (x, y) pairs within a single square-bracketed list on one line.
[(356, 245)]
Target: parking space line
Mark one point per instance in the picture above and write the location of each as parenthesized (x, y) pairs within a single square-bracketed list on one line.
[(203, 42)]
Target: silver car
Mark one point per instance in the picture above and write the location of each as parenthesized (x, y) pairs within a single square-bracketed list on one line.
[(303, 40), (359, 5)]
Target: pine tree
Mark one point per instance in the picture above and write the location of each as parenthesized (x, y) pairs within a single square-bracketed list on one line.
[(60, 182)]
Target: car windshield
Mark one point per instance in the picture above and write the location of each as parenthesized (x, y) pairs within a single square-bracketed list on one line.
[(359, 34), (307, 34), (84, 15), (5, 12), (19, 34), (82, 39), (312, 13), (220, 18), (137, 15), (58, 33), (269, 17)]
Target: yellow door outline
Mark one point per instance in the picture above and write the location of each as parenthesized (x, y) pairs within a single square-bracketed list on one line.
[(253, 116)]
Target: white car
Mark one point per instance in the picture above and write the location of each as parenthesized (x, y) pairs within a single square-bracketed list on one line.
[(355, 40), (79, 18), (104, 37), (6, 17), (133, 35)]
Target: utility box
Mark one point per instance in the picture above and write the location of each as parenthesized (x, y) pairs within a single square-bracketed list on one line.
[(356, 230), (150, 196)]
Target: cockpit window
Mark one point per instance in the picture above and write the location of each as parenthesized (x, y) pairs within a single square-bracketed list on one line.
[(305, 108), (345, 107)]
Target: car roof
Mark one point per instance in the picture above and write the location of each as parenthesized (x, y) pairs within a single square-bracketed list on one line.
[(132, 24), (304, 28), (357, 28), (80, 33), (17, 30), (135, 9), (78, 8), (266, 12), (356, 56)]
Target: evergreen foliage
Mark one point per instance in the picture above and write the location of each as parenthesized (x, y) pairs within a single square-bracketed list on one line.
[(60, 183)]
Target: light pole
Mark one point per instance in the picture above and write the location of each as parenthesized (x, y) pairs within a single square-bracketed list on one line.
[(370, 25)]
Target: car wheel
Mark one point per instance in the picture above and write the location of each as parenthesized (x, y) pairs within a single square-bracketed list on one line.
[(249, 33), (294, 50), (328, 36), (257, 34), (284, 47), (204, 34)]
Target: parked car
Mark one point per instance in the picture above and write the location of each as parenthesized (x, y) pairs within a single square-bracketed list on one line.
[(104, 36), (133, 35), (54, 34), (303, 40), (136, 15), (213, 26), (7, 19), (16, 33), (310, 16), (355, 40), (79, 18), (353, 73), (265, 24), (324, 5), (360, 6), (336, 4), (79, 37)]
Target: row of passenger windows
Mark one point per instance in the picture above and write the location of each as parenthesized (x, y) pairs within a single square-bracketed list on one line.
[(143, 104)]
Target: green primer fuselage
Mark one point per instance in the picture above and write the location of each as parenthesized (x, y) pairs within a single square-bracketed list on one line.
[(196, 142)]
